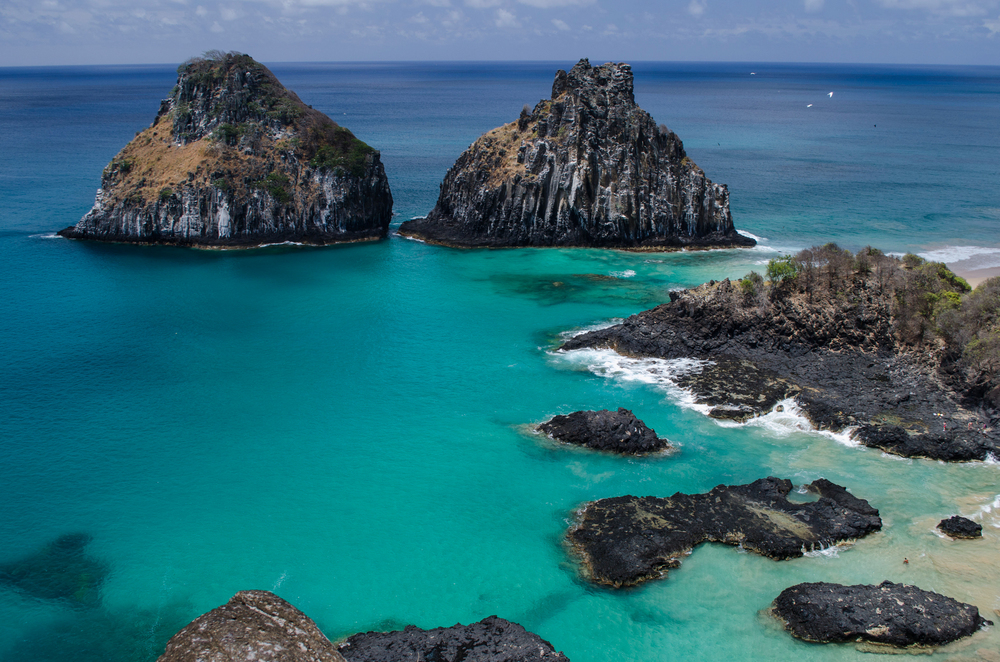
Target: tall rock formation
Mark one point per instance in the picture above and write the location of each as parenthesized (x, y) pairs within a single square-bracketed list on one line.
[(587, 167), (235, 159)]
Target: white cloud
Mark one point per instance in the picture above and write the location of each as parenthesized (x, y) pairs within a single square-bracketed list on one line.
[(201, 11), (216, 27), (436, 3), (506, 19), (420, 19), (228, 13), (813, 5), (560, 25), (992, 26), (482, 4), (948, 7), (696, 8), (548, 4)]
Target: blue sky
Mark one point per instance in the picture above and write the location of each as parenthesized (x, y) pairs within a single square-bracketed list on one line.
[(44, 32)]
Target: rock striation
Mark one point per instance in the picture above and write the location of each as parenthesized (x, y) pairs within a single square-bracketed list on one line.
[(891, 614), (492, 639), (957, 526), (587, 167), (233, 159), (624, 541), (254, 625), (836, 352), (616, 431)]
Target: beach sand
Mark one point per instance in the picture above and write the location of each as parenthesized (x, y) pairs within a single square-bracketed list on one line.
[(976, 276)]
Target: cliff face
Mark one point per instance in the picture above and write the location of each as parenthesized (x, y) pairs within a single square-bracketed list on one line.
[(587, 167), (235, 159)]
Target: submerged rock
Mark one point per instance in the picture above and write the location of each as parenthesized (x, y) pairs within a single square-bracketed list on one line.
[(492, 639), (891, 614), (234, 159), (254, 625), (617, 431), (623, 541), (61, 570), (587, 167), (960, 527)]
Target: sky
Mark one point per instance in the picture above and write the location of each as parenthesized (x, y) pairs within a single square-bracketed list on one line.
[(60, 32)]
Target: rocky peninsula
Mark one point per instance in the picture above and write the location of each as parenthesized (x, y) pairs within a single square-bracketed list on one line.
[(898, 350), (258, 625), (615, 431), (624, 541), (233, 159), (586, 167), (891, 614)]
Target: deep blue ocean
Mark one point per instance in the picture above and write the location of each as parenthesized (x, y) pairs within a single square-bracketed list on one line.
[(348, 426)]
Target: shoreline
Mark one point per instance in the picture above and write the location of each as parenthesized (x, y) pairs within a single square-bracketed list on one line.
[(975, 276)]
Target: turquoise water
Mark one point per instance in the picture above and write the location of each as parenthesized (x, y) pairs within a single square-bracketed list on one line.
[(346, 426)]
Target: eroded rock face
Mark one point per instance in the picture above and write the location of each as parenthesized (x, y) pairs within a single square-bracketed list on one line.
[(837, 358), (624, 541), (616, 431), (891, 614), (587, 167), (254, 625), (957, 526), (234, 159), (492, 639)]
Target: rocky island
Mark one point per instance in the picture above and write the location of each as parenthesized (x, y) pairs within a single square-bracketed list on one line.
[(258, 625), (624, 541), (233, 159), (891, 614), (587, 167), (897, 350), (615, 431)]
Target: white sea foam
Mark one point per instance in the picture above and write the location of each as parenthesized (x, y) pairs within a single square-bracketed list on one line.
[(282, 243), (659, 373), (628, 273), (596, 326), (831, 552), (751, 235), (280, 581), (47, 235), (965, 257)]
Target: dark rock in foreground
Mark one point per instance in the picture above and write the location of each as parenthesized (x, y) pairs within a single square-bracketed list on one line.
[(960, 527), (617, 431), (254, 625), (891, 614), (233, 159), (587, 167), (490, 640), (624, 541), (62, 570)]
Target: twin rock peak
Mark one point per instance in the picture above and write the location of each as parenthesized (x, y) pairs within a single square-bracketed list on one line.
[(233, 159)]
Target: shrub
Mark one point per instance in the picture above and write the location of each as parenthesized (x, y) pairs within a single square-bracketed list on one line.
[(276, 184), (781, 268), (165, 193), (752, 284)]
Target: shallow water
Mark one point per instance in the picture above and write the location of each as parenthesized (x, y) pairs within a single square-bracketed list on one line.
[(345, 426)]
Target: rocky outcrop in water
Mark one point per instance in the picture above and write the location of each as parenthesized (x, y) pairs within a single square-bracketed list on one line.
[(60, 570), (957, 526), (492, 639), (258, 625), (832, 343), (587, 167), (891, 614), (234, 159), (624, 541), (616, 431), (254, 625)]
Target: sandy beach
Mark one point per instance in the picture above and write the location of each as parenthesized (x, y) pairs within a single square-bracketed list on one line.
[(976, 276)]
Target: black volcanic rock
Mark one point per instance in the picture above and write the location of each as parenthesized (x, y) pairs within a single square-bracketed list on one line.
[(960, 527), (492, 639), (60, 570), (623, 541), (617, 431), (892, 614), (837, 355), (234, 159), (254, 625), (587, 167)]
